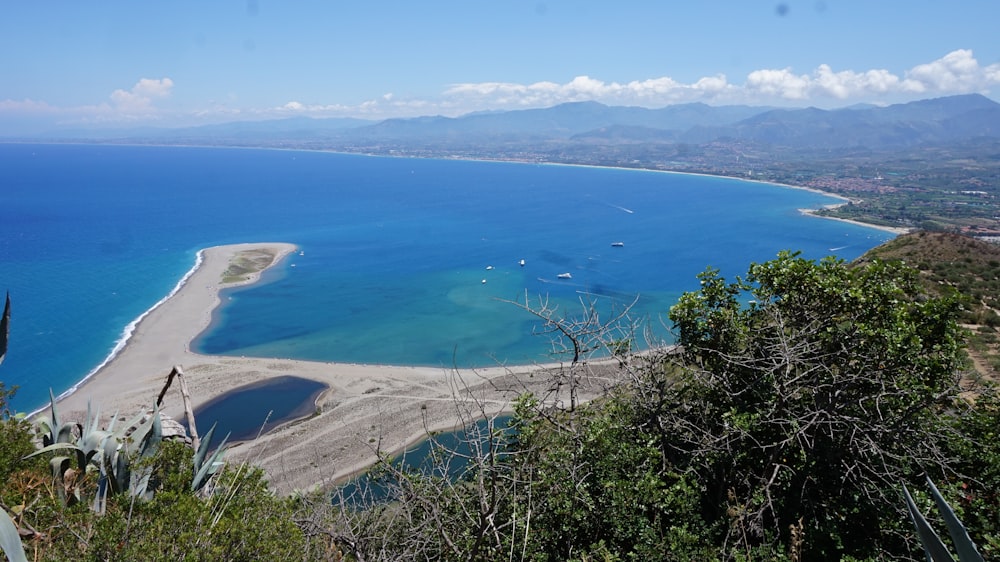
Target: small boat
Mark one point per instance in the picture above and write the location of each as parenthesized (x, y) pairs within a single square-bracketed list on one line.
[(484, 281), (302, 253), (489, 268), (521, 263), (564, 276), (617, 244)]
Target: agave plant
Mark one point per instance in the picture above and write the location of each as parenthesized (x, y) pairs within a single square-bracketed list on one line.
[(110, 452), (50, 428), (204, 469), (80, 442), (934, 548), (136, 440)]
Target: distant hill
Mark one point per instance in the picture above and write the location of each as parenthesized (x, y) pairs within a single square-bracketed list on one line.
[(923, 122), (581, 124), (926, 122), (970, 266), (559, 122), (266, 130)]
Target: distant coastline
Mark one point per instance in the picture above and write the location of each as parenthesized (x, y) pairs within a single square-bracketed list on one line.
[(810, 212)]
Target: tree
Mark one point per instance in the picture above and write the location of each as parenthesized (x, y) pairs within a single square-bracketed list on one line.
[(809, 390), (799, 398)]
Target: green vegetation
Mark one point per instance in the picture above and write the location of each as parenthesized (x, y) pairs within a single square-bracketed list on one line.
[(950, 262), (246, 263), (801, 401), (803, 395)]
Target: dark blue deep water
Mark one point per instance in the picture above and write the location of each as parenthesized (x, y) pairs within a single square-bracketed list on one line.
[(394, 250), (245, 412)]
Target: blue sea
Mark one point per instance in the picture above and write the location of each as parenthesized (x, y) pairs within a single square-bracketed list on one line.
[(394, 250)]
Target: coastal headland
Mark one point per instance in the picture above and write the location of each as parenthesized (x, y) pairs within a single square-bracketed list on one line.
[(365, 410)]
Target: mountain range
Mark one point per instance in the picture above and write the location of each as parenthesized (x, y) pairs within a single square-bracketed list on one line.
[(936, 121)]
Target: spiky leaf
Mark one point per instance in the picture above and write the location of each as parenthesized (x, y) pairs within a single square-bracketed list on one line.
[(59, 466), (967, 551), (4, 328), (199, 455), (53, 447), (933, 547), (139, 482), (123, 470), (205, 469), (54, 417), (10, 540)]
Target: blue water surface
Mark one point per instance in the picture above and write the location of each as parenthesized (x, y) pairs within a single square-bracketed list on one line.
[(394, 250), (248, 411)]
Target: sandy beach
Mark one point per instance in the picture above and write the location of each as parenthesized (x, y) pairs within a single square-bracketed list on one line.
[(893, 229), (365, 408)]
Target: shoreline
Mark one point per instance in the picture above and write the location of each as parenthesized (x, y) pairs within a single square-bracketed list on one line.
[(132, 329), (128, 332), (364, 411), (897, 230), (845, 199)]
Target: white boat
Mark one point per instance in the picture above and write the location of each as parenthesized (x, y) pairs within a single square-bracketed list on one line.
[(564, 276), (521, 263), (489, 268), (617, 244)]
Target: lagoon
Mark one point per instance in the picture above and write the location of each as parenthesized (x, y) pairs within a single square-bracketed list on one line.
[(251, 410)]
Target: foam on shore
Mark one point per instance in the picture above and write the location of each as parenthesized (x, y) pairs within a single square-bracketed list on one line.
[(130, 329)]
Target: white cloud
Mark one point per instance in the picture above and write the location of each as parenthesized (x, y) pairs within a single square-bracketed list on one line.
[(301, 108), (26, 106), (584, 88), (956, 72), (778, 83), (139, 100)]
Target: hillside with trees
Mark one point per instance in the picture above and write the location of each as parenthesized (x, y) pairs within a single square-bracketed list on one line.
[(801, 399), (972, 267)]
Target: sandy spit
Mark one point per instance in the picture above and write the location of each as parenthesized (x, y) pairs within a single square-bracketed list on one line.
[(365, 409)]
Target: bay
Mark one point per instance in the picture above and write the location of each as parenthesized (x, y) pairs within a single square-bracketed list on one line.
[(394, 250)]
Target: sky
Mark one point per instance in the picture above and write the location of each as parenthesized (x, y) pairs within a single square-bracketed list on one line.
[(122, 63)]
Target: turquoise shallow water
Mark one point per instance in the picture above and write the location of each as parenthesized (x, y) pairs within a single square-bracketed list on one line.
[(395, 250)]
